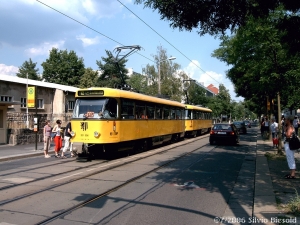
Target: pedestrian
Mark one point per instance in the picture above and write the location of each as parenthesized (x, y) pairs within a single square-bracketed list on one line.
[(296, 124), (274, 129), (282, 126), (266, 124), (68, 144), (289, 130), (262, 124), (57, 139), (47, 138)]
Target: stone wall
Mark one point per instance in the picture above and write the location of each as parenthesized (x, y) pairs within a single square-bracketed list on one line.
[(17, 133)]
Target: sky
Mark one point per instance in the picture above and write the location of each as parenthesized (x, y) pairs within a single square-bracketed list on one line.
[(30, 29)]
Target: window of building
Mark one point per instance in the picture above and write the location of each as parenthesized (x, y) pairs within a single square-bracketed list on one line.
[(23, 102), (6, 98), (71, 105), (40, 103)]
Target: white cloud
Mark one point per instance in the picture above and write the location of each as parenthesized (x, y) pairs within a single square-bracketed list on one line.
[(8, 70), (209, 77), (88, 41), (44, 48)]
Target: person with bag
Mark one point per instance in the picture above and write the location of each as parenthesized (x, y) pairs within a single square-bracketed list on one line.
[(68, 144), (274, 129), (289, 131), (57, 138), (47, 138)]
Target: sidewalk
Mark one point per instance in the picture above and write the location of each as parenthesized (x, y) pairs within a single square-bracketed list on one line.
[(10, 152), (272, 190)]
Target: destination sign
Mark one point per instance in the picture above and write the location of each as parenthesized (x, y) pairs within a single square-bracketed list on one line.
[(90, 92)]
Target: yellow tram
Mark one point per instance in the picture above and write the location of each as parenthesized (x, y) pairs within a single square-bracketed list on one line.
[(107, 120), (198, 120)]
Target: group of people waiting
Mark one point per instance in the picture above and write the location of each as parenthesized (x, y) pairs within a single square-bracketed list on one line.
[(56, 134), (290, 126)]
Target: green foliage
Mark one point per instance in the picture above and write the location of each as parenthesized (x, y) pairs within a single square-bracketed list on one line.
[(89, 78), (261, 65), (214, 17), (28, 67), (110, 73), (63, 67), (293, 205), (197, 95), (138, 82)]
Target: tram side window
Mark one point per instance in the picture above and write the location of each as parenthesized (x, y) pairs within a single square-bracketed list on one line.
[(110, 109), (127, 109), (173, 116), (201, 116), (158, 112), (178, 114), (166, 113), (140, 110), (196, 113), (150, 111)]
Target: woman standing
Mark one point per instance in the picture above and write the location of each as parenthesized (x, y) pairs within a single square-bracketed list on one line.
[(57, 139), (47, 138), (289, 130)]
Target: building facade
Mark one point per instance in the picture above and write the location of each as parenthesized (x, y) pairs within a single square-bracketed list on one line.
[(53, 101)]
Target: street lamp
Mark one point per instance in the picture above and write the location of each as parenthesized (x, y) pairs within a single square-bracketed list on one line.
[(171, 58)]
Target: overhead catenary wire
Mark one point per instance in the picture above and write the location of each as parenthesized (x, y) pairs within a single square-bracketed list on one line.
[(121, 43), (167, 41), (90, 28)]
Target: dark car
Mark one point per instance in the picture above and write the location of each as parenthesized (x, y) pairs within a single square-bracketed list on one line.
[(224, 132), (240, 126), (247, 123)]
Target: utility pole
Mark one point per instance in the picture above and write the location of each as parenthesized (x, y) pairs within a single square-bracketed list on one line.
[(27, 122)]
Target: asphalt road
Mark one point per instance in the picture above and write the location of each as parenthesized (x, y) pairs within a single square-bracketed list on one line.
[(192, 190)]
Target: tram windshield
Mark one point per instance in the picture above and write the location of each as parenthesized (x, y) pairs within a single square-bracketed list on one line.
[(95, 108)]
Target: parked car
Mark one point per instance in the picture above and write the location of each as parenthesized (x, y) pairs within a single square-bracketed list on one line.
[(247, 123), (241, 126), (224, 132)]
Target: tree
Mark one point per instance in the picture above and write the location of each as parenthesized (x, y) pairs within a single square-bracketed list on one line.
[(214, 17), (260, 61), (110, 73), (28, 68), (138, 82), (221, 103), (63, 67), (89, 78), (197, 95), (170, 78)]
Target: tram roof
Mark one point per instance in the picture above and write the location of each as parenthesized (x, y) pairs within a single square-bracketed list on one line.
[(111, 92), (195, 107)]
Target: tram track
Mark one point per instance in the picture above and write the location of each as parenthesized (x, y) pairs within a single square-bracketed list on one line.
[(101, 195), (46, 177), (121, 162)]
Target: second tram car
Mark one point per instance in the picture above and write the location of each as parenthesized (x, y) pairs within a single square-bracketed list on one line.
[(198, 120), (107, 120)]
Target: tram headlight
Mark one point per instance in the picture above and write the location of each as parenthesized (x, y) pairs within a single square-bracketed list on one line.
[(96, 134)]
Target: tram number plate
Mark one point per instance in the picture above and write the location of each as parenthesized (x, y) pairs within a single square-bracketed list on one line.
[(221, 132)]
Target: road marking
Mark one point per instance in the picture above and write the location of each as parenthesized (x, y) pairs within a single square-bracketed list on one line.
[(68, 176)]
